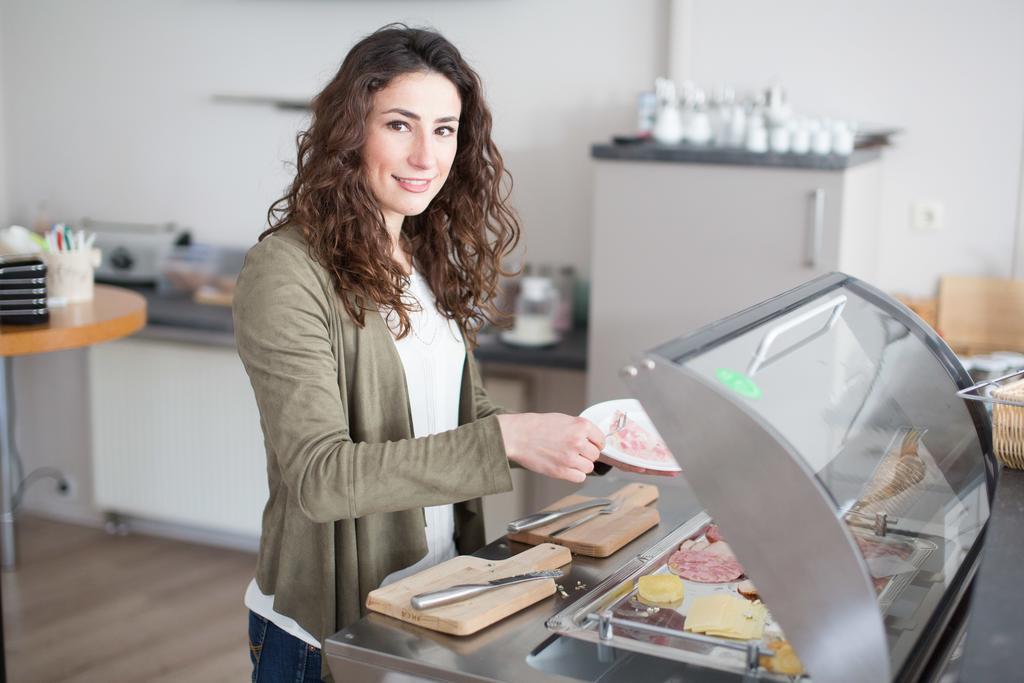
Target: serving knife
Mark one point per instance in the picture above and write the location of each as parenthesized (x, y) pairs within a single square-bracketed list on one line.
[(614, 507), (542, 518), (467, 590)]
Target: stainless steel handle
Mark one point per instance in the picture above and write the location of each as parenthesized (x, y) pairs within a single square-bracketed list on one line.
[(816, 228), (542, 518), (464, 591), (449, 595), (761, 360), (583, 520)]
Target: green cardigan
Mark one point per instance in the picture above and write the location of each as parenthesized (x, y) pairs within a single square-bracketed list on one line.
[(348, 482)]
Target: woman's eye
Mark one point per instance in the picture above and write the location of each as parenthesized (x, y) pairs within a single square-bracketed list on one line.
[(400, 126), (445, 131)]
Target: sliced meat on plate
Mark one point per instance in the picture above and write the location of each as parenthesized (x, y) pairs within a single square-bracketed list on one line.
[(636, 441), (722, 549), (704, 567)]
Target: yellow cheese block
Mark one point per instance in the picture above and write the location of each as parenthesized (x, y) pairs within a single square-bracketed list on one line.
[(660, 589), (725, 615)]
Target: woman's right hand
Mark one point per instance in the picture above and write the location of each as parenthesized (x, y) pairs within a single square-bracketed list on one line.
[(555, 445)]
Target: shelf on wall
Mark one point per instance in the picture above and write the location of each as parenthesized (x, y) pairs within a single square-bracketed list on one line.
[(284, 103)]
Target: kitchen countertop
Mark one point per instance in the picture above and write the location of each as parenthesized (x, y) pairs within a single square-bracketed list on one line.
[(691, 154), (176, 317)]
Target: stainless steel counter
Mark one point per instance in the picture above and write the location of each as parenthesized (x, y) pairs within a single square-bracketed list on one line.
[(519, 648)]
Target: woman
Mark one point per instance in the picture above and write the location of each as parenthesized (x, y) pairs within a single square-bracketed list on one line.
[(353, 316)]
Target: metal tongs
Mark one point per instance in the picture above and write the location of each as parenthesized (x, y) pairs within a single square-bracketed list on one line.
[(972, 393), (542, 518), (465, 591)]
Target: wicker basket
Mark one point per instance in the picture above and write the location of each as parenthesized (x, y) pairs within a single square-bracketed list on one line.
[(1008, 425)]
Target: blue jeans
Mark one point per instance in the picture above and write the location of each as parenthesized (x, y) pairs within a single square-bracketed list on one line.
[(279, 657)]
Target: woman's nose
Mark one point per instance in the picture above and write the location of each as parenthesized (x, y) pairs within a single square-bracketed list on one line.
[(422, 153)]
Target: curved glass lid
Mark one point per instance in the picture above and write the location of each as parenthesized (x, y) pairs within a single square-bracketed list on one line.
[(873, 413)]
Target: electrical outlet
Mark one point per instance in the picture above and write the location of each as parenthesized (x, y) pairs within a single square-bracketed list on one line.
[(926, 216)]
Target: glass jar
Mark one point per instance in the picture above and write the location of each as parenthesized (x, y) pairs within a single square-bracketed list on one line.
[(535, 311)]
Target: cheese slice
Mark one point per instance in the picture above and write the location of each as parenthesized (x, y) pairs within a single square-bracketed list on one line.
[(728, 616), (660, 589)]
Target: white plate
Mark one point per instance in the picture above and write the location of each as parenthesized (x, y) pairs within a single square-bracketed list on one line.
[(601, 414), (510, 337)]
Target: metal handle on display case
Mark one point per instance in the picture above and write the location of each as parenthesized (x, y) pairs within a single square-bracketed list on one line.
[(761, 359), (967, 393), (606, 624), (816, 228)]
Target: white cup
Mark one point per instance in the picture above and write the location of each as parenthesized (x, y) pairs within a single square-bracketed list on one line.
[(842, 138), (69, 275), (821, 141), (757, 136), (668, 126), (779, 139), (800, 141)]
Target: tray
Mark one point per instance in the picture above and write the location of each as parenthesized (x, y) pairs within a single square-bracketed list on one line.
[(610, 615)]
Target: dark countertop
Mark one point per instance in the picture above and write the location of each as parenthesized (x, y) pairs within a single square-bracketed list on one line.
[(995, 622), (691, 154), (569, 354), (176, 317)]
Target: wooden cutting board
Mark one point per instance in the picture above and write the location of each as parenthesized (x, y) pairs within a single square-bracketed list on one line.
[(603, 535), (469, 616)]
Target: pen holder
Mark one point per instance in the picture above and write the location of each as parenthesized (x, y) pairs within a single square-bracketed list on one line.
[(69, 275)]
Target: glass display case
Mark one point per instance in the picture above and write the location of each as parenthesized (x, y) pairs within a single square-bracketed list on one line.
[(822, 433)]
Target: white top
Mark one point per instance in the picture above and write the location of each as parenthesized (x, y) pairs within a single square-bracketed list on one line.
[(432, 354)]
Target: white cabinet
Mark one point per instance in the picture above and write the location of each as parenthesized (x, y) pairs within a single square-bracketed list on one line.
[(679, 245)]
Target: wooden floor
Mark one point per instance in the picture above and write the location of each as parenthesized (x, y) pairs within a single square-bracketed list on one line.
[(86, 606)]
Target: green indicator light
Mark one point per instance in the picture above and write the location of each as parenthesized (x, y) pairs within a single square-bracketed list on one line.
[(738, 382)]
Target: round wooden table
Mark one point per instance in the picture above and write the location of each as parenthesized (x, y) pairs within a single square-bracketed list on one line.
[(113, 313)]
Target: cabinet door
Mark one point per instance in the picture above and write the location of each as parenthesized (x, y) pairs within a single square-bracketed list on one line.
[(676, 246)]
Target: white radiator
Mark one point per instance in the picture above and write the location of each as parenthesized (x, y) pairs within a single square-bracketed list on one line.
[(176, 435)]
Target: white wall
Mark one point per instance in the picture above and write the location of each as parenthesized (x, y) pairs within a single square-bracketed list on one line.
[(950, 73), (110, 111), (109, 114)]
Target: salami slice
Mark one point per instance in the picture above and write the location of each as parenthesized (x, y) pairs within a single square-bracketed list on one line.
[(722, 549), (634, 440), (704, 567)]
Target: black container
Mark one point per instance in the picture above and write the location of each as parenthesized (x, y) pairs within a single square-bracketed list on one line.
[(23, 291)]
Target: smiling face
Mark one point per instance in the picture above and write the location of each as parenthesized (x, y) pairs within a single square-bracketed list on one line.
[(410, 143)]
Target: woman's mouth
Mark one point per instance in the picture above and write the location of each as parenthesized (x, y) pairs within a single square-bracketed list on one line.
[(413, 184)]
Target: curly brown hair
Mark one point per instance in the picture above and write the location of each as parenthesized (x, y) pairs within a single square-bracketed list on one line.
[(458, 242)]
